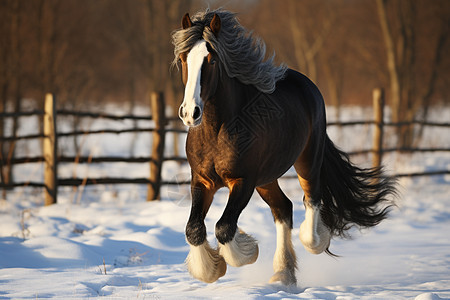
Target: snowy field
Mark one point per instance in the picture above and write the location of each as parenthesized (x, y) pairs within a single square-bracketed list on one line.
[(107, 241)]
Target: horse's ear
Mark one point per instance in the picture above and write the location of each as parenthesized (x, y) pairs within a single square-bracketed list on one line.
[(186, 21), (215, 25)]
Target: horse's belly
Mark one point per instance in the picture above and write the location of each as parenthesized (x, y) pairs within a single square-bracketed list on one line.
[(274, 166)]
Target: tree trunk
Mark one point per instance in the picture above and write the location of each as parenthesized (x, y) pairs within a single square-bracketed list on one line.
[(394, 76), (431, 86), (17, 71)]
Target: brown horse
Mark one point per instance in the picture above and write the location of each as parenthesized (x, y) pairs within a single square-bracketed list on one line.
[(249, 122)]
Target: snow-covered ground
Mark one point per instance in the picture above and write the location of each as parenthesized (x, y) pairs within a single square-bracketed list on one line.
[(107, 241)]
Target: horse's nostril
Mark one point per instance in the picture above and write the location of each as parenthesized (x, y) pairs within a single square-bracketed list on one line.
[(196, 114), (181, 112)]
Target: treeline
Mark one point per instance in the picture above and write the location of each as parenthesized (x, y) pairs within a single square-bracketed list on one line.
[(349, 47), (88, 52)]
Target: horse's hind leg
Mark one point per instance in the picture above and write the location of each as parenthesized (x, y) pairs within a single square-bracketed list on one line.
[(203, 262), (314, 234), (236, 247), (284, 262)]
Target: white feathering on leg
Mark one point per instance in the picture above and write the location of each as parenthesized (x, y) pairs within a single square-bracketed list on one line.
[(314, 235), (205, 263), (241, 250), (285, 260)]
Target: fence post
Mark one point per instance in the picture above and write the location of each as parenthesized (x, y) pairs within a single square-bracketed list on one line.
[(49, 151), (157, 157), (378, 111)]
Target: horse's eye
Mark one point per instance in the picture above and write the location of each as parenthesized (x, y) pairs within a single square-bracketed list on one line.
[(212, 61)]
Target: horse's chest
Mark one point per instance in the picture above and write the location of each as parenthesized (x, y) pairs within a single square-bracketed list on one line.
[(215, 155)]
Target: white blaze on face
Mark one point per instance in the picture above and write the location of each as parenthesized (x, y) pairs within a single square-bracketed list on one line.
[(192, 106)]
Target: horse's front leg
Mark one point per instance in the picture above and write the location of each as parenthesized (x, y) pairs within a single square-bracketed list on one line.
[(236, 247), (203, 262)]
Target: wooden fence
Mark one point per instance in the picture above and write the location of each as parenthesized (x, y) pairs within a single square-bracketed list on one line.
[(51, 159), (156, 159)]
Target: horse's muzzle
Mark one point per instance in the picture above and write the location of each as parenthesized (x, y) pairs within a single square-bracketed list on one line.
[(191, 119)]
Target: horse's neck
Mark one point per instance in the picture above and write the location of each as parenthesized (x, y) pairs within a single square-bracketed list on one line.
[(231, 96)]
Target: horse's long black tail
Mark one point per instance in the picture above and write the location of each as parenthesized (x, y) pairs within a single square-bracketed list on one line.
[(351, 195)]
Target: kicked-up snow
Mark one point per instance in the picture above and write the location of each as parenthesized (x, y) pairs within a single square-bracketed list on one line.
[(110, 243)]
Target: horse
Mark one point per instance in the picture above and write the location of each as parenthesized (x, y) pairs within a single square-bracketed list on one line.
[(249, 121)]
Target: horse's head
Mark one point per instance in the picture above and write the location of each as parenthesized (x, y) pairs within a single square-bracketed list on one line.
[(199, 74)]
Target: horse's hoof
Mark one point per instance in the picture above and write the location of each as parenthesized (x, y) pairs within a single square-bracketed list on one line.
[(241, 250), (205, 263), (286, 277)]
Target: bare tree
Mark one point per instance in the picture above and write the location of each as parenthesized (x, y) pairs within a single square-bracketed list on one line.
[(409, 90), (5, 51), (308, 35), (11, 82)]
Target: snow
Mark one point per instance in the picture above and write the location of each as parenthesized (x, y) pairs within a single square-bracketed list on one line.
[(109, 242)]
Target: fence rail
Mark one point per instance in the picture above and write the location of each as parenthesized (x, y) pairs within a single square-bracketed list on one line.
[(65, 112), (158, 131), (35, 112)]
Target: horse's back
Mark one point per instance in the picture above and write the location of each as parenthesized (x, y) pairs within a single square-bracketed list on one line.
[(300, 90)]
